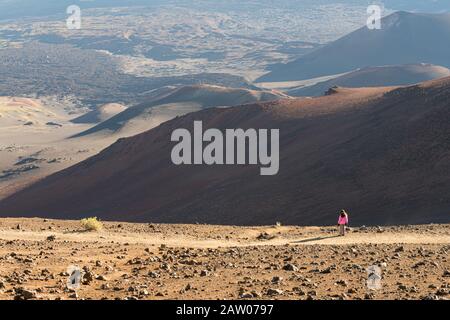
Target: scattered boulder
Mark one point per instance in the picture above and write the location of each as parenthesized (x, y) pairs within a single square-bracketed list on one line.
[(430, 297), (88, 276), (274, 292), (265, 236), (246, 295), (290, 267), (24, 294), (53, 124), (204, 273), (277, 279), (73, 295)]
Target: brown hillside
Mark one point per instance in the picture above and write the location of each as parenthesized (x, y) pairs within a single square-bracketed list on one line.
[(382, 153)]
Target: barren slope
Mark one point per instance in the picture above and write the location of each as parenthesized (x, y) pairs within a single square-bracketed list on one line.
[(100, 114), (376, 77), (175, 103), (384, 156), (404, 38)]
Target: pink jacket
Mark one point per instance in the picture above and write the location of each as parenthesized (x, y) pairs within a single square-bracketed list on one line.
[(343, 220)]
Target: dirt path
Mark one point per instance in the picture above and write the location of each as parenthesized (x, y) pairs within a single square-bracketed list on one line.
[(192, 242)]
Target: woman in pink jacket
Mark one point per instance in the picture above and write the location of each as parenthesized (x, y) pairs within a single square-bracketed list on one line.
[(342, 222)]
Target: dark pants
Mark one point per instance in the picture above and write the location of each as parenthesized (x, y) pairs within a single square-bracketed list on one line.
[(342, 229)]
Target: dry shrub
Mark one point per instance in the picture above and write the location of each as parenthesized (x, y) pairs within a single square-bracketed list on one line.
[(91, 224)]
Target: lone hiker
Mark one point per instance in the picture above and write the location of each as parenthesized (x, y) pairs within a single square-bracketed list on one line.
[(342, 222)]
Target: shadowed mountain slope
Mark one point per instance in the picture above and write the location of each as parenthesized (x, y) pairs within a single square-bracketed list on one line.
[(404, 38), (381, 153)]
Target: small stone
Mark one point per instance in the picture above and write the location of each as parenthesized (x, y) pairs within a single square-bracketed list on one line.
[(274, 292), (430, 297), (342, 283), (442, 292), (101, 278), (369, 296), (255, 294), (74, 295), (246, 295), (25, 294), (88, 277), (325, 271), (45, 272), (402, 287), (290, 267), (153, 274), (204, 273), (277, 279), (265, 236), (143, 292)]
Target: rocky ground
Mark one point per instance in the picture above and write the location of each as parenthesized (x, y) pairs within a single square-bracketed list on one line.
[(153, 261)]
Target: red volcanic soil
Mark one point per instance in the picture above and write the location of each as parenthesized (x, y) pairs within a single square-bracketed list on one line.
[(381, 153)]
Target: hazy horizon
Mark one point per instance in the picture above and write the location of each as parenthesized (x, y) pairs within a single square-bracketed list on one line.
[(13, 9)]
